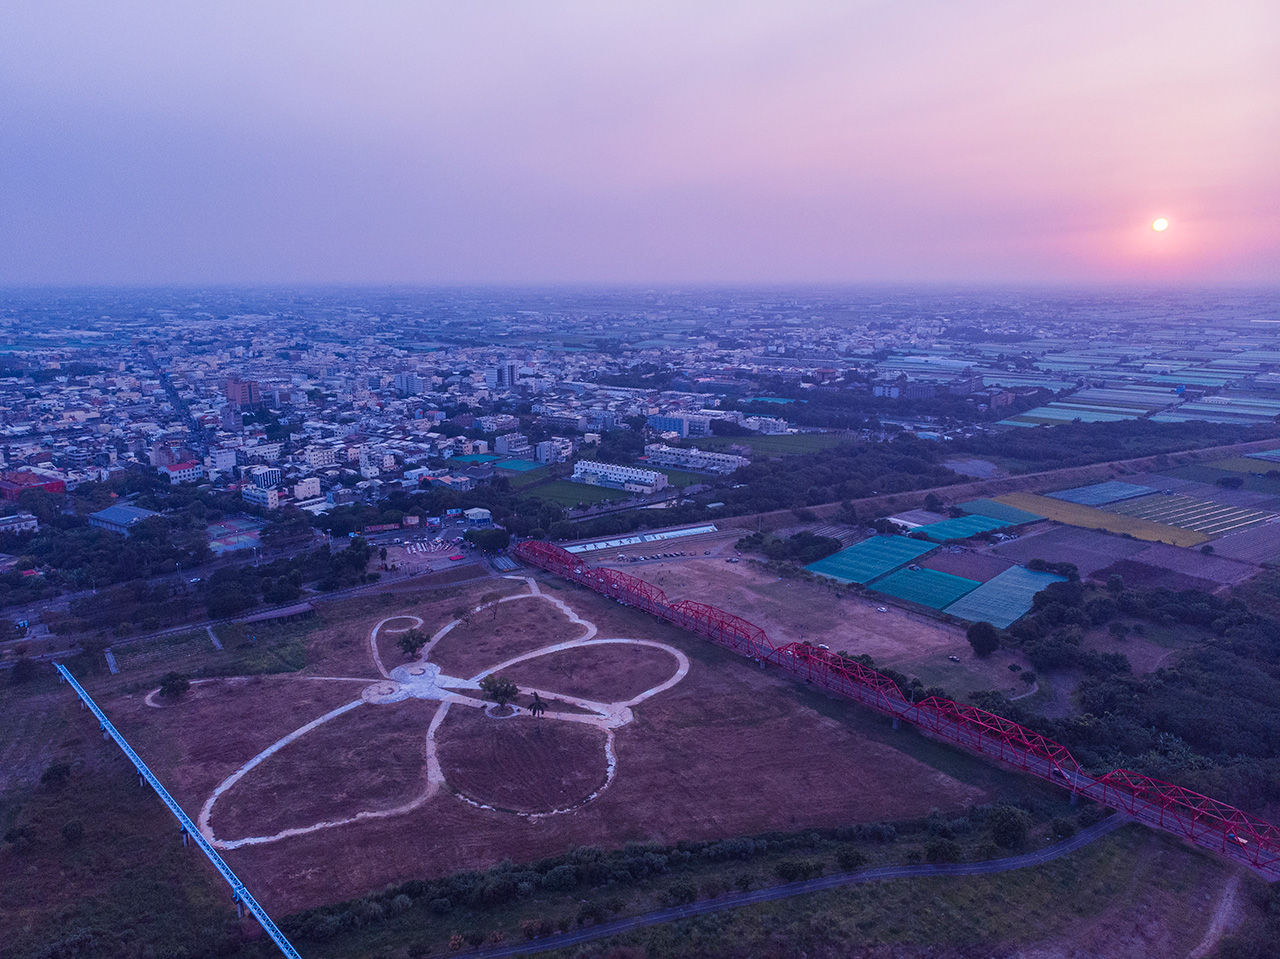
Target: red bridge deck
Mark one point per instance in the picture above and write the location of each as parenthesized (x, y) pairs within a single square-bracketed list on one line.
[(1198, 819)]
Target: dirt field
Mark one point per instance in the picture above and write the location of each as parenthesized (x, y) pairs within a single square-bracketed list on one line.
[(523, 764), (728, 750), (1143, 576), (1087, 549), (793, 611), (1194, 563), (499, 633), (371, 759), (969, 564), (603, 673)]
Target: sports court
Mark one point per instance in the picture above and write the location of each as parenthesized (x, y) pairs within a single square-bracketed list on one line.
[(477, 458), (862, 562), (1003, 600), (233, 534), (960, 528), (1100, 493), (926, 587), (518, 466)]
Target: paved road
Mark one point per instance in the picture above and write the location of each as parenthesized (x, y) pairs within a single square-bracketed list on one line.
[(772, 893)]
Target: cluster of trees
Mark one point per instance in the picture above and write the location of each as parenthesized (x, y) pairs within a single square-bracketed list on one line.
[(1078, 444), (802, 548), (228, 591), (1211, 722), (586, 870)]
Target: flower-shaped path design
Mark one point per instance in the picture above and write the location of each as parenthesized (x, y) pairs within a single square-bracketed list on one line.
[(424, 680)]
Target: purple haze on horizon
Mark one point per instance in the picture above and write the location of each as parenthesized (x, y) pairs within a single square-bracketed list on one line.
[(560, 142)]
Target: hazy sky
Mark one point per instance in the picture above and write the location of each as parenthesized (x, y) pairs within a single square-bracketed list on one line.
[(643, 142)]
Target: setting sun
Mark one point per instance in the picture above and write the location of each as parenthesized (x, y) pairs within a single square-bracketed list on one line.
[(1160, 224)]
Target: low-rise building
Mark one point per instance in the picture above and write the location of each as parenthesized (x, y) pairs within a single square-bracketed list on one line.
[(188, 472), (693, 459), (616, 476), (270, 498), (19, 523), (119, 518)]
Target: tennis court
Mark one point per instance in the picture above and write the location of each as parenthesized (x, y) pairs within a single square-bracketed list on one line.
[(234, 534), (1101, 493), (1187, 512), (1010, 514), (518, 466), (1003, 600), (960, 528), (926, 587), (862, 562)]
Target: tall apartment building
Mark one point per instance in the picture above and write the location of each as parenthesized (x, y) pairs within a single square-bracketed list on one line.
[(410, 384), (244, 394), (318, 456), (266, 477)]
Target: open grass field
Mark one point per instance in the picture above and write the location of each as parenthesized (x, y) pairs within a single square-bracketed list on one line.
[(789, 445), (681, 477), (527, 478), (1087, 517), (567, 493), (348, 802)]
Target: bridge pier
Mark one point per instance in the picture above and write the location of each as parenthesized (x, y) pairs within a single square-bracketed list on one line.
[(897, 723), (185, 837), (1075, 797)]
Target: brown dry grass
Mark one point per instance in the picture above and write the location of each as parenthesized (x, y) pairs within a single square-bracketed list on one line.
[(370, 758), (730, 750), (497, 634), (521, 764), (606, 673), (791, 610)]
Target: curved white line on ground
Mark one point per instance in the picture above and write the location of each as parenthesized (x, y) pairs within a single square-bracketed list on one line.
[(150, 698), (603, 716), (207, 809), (606, 716), (373, 638)]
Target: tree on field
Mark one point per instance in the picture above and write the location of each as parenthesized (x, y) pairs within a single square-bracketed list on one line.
[(984, 638), (174, 685), (537, 707), (411, 642), (1009, 826), (500, 689)]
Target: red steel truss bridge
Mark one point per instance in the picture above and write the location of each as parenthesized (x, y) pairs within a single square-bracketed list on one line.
[(1192, 817)]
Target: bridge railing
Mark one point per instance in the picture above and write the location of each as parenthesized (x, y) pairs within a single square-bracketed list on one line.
[(239, 893), (1198, 819)]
